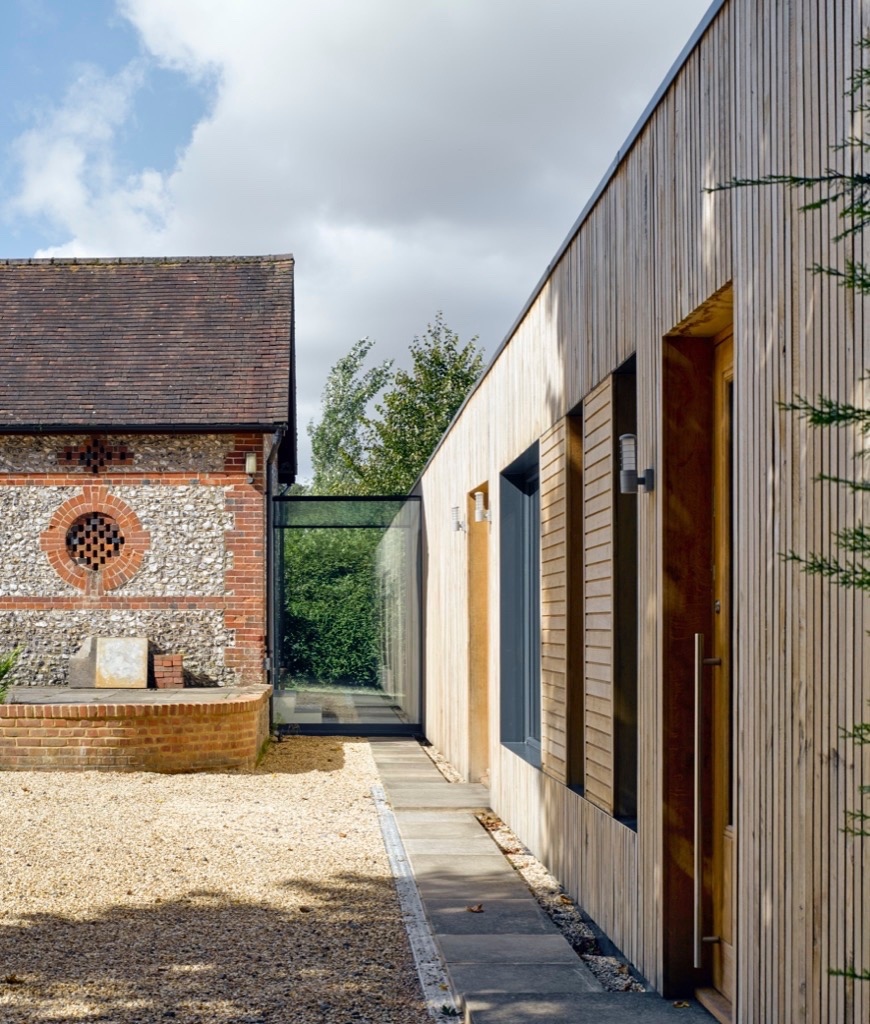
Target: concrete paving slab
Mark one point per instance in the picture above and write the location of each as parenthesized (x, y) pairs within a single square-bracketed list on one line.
[(507, 949), (425, 824), (397, 757), (449, 797), (388, 757), (500, 980), (395, 772), (491, 864), (455, 845), (409, 782), (435, 814), (435, 778), (473, 890), (449, 917), (383, 747), (587, 1008)]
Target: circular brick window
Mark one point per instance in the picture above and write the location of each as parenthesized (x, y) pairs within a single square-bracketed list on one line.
[(94, 540)]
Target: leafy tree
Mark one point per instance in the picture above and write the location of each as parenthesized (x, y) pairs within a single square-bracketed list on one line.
[(849, 193), (418, 408), (331, 633), (357, 453), (337, 441)]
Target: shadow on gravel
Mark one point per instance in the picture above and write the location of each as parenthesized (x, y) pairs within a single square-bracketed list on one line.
[(206, 958), (296, 755)]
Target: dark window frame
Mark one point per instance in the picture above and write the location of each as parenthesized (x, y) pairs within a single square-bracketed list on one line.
[(626, 611), (520, 564)]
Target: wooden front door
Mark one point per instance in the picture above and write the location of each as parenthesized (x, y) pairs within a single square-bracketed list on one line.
[(718, 700)]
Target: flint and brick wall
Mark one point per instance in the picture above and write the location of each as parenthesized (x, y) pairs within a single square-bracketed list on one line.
[(177, 737), (191, 575)]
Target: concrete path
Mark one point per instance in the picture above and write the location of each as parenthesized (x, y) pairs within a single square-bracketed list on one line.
[(509, 964)]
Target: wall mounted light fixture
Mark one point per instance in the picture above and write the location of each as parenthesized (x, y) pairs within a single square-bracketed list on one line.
[(629, 481), (481, 513), (455, 521), (251, 465)]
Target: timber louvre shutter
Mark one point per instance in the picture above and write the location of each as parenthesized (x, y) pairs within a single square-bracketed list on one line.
[(598, 529)]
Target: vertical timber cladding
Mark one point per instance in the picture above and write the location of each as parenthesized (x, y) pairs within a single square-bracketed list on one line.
[(761, 92)]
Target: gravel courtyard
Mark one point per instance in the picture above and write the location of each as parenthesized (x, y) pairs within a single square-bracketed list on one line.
[(262, 896)]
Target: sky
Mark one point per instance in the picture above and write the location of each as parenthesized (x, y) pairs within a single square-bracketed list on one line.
[(415, 156)]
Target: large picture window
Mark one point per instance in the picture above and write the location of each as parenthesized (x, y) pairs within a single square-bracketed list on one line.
[(521, 607)]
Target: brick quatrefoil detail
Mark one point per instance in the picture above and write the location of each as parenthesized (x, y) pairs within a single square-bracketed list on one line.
[(94, 455)]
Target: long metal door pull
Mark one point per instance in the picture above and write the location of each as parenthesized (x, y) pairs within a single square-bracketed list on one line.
[(699, 663)]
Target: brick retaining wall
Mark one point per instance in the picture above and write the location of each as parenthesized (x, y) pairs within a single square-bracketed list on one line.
[(171, 737)]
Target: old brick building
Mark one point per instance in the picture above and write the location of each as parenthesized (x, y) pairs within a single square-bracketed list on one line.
[(146, 410)]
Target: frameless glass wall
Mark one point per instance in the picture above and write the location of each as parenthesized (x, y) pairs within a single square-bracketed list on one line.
[(347, 614)]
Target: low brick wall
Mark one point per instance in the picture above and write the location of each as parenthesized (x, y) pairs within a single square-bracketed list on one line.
[(171, 737)]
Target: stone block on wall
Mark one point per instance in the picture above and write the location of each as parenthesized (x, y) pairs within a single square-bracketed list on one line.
[(83, 665), (110, 662)]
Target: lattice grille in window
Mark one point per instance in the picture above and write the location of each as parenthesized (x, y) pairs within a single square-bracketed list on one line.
[(93, 540), (95, 454)]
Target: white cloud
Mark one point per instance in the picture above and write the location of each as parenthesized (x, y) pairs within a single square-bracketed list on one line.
[(413, 156), (68, 168)]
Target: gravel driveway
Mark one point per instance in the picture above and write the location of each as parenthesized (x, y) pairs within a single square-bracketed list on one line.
[(262, 896)]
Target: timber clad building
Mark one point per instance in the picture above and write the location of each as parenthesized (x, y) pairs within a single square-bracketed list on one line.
[(657, 696), (146, 409)]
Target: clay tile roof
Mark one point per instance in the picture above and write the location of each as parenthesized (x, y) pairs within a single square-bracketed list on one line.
[(146, 343)]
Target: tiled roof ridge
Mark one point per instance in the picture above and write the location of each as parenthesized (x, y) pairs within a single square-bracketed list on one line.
[(114, 260)]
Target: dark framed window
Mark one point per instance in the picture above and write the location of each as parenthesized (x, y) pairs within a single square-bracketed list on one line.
[(626, 620), (575, 564), (520, 563)]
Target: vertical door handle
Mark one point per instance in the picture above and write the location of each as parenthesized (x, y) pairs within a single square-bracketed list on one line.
[(700, 662)]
